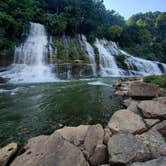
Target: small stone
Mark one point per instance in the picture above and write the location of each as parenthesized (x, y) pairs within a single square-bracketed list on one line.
[(127, 102), (107, 135), (121, 93)]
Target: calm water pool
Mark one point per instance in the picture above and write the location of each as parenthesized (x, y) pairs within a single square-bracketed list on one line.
[(28, 110)]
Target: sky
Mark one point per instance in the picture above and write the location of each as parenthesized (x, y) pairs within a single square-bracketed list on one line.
[(126, 8)]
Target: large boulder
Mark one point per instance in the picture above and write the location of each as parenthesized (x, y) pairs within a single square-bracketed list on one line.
[(155, 141), (126, 148), (75, 135), (51, 150), (126, 121), (143, 90), (152, 109), (6, 153), (156, 162)]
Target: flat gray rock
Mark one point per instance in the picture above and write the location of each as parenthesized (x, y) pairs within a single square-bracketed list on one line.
[(143, 90), (126, 148), (152, 109), (155, 141)]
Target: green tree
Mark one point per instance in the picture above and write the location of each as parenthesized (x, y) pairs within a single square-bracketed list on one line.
[(114, 32), (56, 24), (161, 22), (141, 23)]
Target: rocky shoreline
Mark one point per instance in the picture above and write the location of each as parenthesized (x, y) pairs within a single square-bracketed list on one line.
[(135, 136)]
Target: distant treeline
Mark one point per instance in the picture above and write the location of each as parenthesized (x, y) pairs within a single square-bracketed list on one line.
[(143, 35)]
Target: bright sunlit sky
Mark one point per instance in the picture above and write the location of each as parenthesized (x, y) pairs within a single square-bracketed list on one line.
[(128, 7)]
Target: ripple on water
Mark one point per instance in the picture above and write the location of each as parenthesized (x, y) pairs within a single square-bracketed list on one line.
[(37, 109)]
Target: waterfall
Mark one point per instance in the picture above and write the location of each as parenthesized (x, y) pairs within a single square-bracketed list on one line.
[(32, 56), (138, 66), (142, 67), (108, 66), (90, 53), (30, 59), (109, 51)]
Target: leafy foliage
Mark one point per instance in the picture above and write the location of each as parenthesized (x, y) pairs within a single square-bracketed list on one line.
[(159, 80), (14, 19), (143, 35)]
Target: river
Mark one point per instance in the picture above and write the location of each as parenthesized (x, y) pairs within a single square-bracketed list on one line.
[(28, 110)]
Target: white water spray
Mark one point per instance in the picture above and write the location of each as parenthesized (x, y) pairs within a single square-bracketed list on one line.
[(90, 53), (108, 66), (30, 59), (135, 66)]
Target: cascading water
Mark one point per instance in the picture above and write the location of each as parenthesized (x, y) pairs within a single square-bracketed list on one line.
[(30, 59), (31, 56), (108, 66), (90, 53), (108, 51), (138, 66)]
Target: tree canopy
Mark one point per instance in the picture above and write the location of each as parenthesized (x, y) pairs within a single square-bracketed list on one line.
[(143, 34)]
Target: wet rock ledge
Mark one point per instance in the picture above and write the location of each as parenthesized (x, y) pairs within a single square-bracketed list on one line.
[(134, 136)]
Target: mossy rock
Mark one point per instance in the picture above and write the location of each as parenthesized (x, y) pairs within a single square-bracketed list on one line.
[(120, 59)]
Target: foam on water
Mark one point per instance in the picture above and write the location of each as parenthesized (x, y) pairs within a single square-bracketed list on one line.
[(99, 83)]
